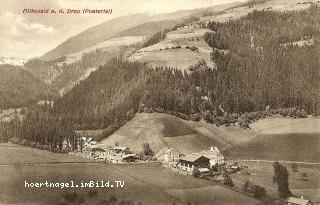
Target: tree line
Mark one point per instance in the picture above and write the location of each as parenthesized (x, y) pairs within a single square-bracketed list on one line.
[(41, 128)]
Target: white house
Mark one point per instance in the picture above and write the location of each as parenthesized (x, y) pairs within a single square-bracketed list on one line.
[(168, 154), (215, 156)]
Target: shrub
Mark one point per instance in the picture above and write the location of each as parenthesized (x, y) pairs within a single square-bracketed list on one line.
[(195, 117), (196, 173), (192, 48), (244, 122), (228, 181), (258, 191), (182, 116)]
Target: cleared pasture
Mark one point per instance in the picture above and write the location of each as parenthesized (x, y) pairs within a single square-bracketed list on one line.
[(261, 173)]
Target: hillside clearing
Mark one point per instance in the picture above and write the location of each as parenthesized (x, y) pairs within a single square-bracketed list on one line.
[(181, 58), (161, 130), (174, 51)]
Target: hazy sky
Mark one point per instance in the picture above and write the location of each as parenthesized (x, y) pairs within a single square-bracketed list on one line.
[(30, 35)]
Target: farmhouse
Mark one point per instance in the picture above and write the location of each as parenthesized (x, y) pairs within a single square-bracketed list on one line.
[(120, 155), (129, 158), (168, 154), (122, 159), (120, 151), (215, 156), (115, 159), (298, 201), (98, 152), (191, 161)]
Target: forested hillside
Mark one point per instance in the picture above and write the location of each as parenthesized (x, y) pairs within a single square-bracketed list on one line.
[(267, 63), (273, 59), (256, 71), (19, 88), (106, 96)]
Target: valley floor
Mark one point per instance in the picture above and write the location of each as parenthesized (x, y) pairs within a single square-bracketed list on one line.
[(146, 183)]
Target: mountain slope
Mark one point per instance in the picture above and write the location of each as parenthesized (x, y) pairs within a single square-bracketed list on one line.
[(160, 130), (19, 88), (107, 30), (106, 95)]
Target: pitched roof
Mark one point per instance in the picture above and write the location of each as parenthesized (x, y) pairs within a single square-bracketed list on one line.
[(120, 148), (165, 150), (211, 151), (97, 149), (204, 170), (298, 201), (129, 155), (192, 157)]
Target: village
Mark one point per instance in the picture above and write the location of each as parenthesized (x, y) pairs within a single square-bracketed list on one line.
[(208, 164), (199, 164)]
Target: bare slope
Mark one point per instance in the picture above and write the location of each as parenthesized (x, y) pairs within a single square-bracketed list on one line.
[(161, 130), (291, 140)]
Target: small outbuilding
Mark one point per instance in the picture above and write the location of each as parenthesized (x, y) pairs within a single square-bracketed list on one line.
[(298, 201)]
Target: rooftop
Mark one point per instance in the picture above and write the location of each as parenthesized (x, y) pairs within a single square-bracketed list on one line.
[(192, 157), (299, 201), (121, 148)]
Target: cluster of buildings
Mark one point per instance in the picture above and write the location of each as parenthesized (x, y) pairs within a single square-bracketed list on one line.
[(90, 148), (188, 163), (115, 154)]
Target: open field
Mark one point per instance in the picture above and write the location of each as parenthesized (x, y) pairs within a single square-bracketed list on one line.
[(181, 58), (261, 173), (291, 147), (148, 183), (16, 154), (281, 139), (211, 195), (286, 125)]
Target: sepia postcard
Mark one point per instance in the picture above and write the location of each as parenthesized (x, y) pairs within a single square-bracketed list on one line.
[(159, 102)]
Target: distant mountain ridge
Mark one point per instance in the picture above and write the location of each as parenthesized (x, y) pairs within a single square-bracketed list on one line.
[(12, 61), (107, 30)]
